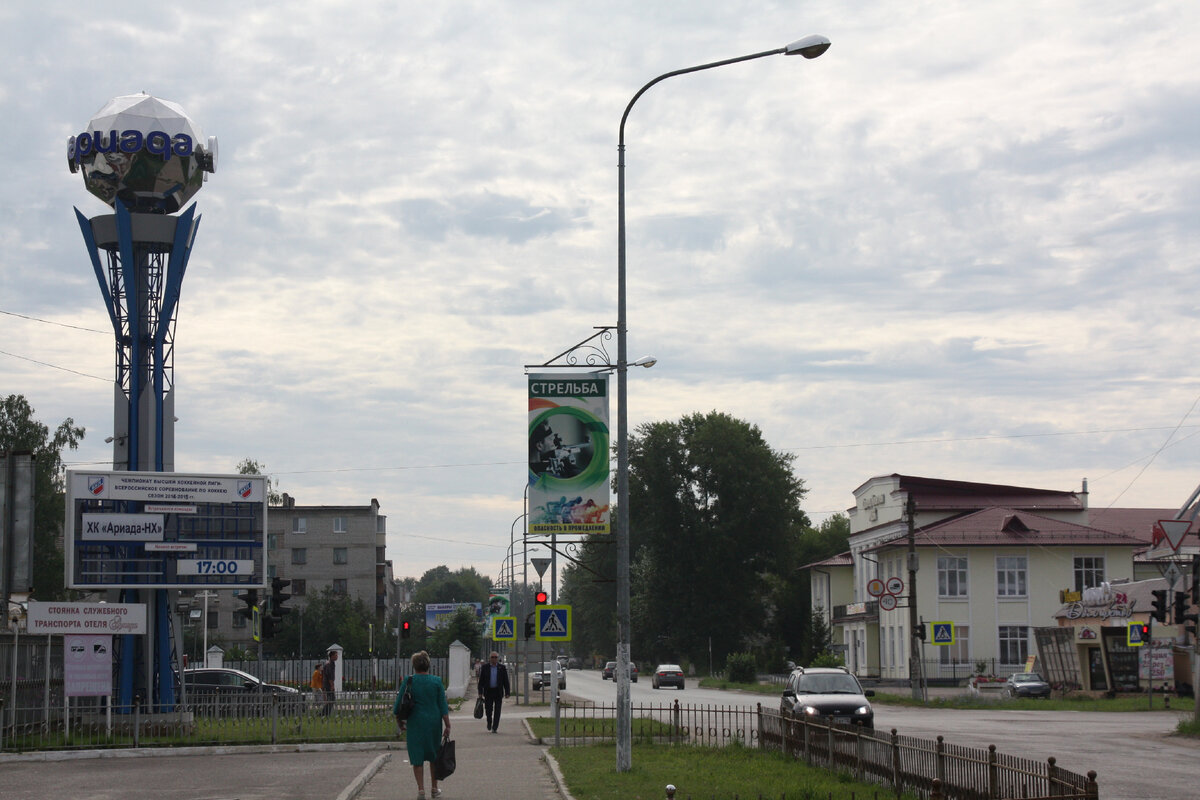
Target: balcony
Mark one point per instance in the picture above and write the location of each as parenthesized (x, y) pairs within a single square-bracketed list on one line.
[(856, 612)]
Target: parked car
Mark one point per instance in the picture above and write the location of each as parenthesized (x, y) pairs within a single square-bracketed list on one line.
[(667, 675), (221, 691), (612, 665), (544, 677), (1026, 684), (832, 693), (562, 661)]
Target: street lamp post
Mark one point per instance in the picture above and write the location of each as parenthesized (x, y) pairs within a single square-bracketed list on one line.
[(809, 47)]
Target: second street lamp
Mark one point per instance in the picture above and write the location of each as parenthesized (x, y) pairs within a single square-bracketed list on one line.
[(809, 47)]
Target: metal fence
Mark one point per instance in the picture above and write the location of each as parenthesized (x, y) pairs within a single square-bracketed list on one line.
[(932, 768)]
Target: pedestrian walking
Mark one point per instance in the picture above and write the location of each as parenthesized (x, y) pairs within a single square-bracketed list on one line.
[(317, 682), (328, 673), (431, 713), (493, 688)]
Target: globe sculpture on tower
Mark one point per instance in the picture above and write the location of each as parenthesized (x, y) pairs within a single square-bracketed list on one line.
[(145, 158), (143, 151)]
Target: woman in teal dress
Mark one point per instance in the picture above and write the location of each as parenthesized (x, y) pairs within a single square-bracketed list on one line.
[(430, 713)]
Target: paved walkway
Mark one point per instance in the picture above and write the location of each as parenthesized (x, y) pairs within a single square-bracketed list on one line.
[(491, 766)]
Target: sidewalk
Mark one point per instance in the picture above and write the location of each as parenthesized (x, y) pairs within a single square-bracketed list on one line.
[(491, 766)]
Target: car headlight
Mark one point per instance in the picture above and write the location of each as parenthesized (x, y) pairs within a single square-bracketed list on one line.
[(811, 711), (862, 711)]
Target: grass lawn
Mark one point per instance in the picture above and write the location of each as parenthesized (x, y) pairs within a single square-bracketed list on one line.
[(600, 727), (701, 773), (1069, 703)]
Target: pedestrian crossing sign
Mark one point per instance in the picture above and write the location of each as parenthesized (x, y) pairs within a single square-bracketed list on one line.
[(553, 624), (504, 629), (943, 632)]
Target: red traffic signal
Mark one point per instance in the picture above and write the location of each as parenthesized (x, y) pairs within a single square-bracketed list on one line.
[(541, 598), (1145, 632), (405, 629)]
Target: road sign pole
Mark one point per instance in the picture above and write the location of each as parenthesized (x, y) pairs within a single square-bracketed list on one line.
[(915, 668)]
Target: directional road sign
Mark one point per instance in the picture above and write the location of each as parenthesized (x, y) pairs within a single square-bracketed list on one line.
[(553, 624), (943, 632), (504, 629)]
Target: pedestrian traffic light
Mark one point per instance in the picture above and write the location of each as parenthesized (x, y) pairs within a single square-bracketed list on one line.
[(541, 598), (529, 624), (405, 629), (1159, 605), (279, 597), (1145, 633), (921, 631), (270, 626), (250, 598)]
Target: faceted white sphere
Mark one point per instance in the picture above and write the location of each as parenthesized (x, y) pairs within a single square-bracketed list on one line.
[(145, 151)]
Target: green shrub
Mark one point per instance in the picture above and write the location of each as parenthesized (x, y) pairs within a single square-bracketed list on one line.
[(828, 660), (740, 668)]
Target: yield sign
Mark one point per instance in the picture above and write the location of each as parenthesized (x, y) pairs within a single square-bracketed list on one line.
[(1172, 530)]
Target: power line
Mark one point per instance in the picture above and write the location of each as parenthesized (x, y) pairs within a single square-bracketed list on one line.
[(985, 438), (51, 322), (52, 366)]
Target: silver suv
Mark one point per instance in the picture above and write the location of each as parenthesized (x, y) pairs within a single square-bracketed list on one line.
[(827, 692)]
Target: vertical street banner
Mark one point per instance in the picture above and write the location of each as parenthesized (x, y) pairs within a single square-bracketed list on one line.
[(568, 454)]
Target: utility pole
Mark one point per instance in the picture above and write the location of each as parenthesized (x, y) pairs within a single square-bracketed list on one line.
[(916, 672), (204, 652)]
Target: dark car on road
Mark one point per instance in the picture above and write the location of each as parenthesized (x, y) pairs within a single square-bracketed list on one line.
[(220, 691), (1026, 684), (607, 674), (667, 675), (832, 693)]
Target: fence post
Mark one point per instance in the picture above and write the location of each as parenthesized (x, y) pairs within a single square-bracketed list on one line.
[(1052, 777), (137, 720), (858, 770), (940, 760), (936, 792), (993, 773), (1092, 790), (829, 742), (274, 718), (807, 746), (675, 722), (896, 761)]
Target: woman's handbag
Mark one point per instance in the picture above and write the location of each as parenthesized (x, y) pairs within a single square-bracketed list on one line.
[(478, 708), (406, 702), (443, 765)]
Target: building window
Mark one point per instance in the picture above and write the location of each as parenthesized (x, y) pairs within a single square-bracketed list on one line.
[(299, 555), (239, 621), (213, 619), (1014, 644), (381, 524), (272, 541), (299, 525), (1089, 572), (299, 587), (960, 651), (339, 586), (339, 524), (1010, 576), (952, 576), (340, 555)]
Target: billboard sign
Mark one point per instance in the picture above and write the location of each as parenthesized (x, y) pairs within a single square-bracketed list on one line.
[(94, 618), (87, 665), (437, 615), (568, 454), (164, 530)]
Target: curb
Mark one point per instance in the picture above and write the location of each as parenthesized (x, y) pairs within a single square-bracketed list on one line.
[(359, 783), (559, 781), (212, 750)]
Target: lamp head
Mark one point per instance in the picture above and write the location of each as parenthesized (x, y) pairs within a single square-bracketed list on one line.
[(809, 47), (646, 361)]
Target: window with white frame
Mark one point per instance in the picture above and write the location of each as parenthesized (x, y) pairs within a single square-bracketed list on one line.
[(1014, 644), (339, 524), (960, 651), (1010, 576), (299, 525), (952, 576), (1089, 572), (341, 555)]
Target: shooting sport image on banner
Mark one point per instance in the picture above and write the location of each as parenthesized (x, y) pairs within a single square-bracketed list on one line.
[(568, 454)]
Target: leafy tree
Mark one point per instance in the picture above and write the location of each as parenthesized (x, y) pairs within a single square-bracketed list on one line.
[(331, 618), (440, 585), (714, 511), (249, 466), (19, 431), (803, 635), (590, 588)]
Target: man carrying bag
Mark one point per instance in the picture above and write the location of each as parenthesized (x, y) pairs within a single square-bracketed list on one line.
[(493, 688)]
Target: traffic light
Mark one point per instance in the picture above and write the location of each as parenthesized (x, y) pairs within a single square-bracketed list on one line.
[(541, 598), (921, 631), (1196, 580), (529, 623), (279, 597), (1145, 633), (1188, 621), (1159, 606), (270, 626), (405, 629), (250, 598)]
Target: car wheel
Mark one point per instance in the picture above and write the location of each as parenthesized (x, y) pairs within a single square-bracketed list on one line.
[(681, 686)]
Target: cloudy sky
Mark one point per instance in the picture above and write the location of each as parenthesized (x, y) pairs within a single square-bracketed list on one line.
[(961, 244)]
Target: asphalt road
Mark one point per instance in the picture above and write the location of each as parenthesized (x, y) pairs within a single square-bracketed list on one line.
[(1133, 753)]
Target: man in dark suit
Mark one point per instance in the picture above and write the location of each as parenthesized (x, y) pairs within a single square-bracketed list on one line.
[(493, 688)]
